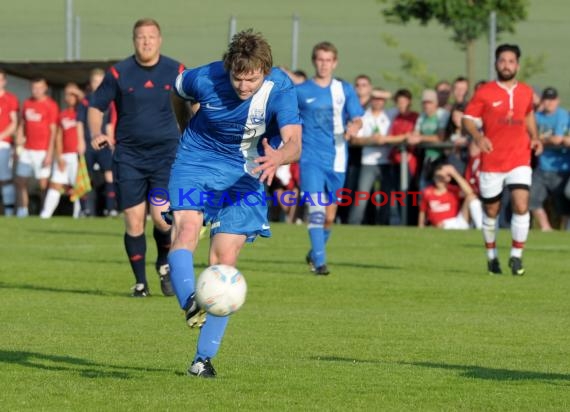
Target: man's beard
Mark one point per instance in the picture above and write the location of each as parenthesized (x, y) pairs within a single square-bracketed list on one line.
[(506, 77)]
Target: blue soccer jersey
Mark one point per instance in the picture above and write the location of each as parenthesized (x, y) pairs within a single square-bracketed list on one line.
[(146, 121), (325, 112), (553, 124), (213, 170), (227, 129)]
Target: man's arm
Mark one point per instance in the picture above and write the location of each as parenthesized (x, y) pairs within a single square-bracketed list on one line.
[(12, 127), (535, 143), (289, 152), (53, 128), (463, 184), (182, 111), (95, 124), (58, 149), (422, 219), (480, 140)]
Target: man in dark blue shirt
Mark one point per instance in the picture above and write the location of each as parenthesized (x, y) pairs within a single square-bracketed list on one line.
[(100, 159), (146, 140)]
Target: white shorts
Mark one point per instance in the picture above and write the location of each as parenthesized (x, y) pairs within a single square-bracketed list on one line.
[(68, 175), (5, 161), (456, 223), (491, 184), (30, 163)]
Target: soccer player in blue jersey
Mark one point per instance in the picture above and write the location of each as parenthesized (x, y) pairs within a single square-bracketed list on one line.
[(224, 155), (146, 140), (331, 113)]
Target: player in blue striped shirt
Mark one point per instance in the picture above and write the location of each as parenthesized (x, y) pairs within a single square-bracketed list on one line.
[(224, 152), (331, 113)]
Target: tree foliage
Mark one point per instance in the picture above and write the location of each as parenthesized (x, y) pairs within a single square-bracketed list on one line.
[(467, 19)]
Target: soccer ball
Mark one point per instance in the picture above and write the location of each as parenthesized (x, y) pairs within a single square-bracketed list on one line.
[(221, 290)]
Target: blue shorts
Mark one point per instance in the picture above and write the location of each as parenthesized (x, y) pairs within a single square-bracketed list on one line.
[(232, 201), (103, 157), (316, 179), (133, 182)]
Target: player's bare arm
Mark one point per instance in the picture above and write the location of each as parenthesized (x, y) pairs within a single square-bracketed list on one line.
[(95, 122), (288, 153), (461, 182), (535, 142), (51, 148), (352, 128), (182, 110), (480, 140)]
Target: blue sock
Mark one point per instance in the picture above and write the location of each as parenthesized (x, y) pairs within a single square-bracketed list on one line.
[(317, 236), (181, 263), (327, 235), (211, 336)]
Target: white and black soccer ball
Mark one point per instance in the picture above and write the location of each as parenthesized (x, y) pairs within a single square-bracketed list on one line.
[(221, 290)]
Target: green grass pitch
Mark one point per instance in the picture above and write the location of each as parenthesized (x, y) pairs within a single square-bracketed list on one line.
[(408, 320)]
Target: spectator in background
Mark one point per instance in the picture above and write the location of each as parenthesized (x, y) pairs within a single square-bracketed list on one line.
[(443, 90), (68, 146), (8, 126), (36, 132), (374, 138), (459, 92), (430, 128), (331, 114), (403, 126), (455, 133), (363, 88), (442, 205), (147, 136), (101, 159), (553, 169)]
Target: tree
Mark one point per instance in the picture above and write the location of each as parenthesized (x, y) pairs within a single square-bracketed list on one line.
[(467, 19)]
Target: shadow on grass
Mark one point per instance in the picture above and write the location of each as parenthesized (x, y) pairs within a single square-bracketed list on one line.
[(466, 371), (496, 374), (85, 368), (23, 286), (79, 232), (332, 263)]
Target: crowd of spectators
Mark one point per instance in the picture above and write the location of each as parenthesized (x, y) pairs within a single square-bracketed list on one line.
[(40, 140)]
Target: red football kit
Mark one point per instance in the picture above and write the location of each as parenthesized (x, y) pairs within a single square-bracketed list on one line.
[(8, 105), (503, 112), (38, 116)]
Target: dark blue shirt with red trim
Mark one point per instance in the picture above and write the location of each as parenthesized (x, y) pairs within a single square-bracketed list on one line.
[(146, 124)]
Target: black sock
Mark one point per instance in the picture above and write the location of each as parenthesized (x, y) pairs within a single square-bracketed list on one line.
[(110, 195), (136, 250), (162, 245)]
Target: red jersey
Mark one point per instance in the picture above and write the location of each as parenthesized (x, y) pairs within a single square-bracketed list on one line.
[(8, 105), (439, 207), (38, 116), (472, 172), (404, 123), (503, 113), (68, 124)]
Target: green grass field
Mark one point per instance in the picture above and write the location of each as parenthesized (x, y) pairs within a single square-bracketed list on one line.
[(408, 320)]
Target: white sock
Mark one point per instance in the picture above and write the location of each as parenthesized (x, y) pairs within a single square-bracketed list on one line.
[(519, 232), (490, 235), (22, 212), (476, 212), (50, 203), (76, 209)]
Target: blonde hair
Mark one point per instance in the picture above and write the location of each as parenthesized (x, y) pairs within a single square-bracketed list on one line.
[(146, 22)]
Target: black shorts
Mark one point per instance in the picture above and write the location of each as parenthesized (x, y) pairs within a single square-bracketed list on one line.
[(134, 180)]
